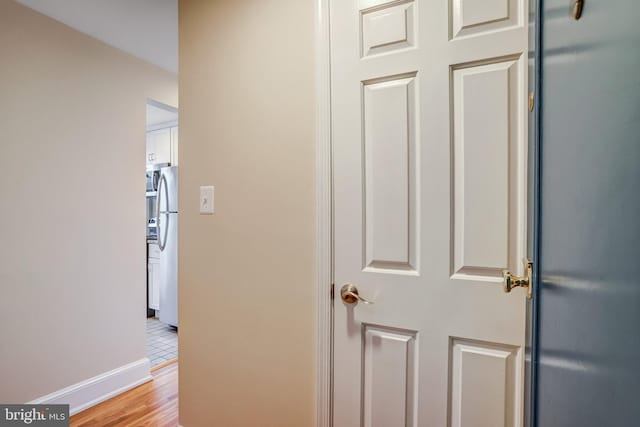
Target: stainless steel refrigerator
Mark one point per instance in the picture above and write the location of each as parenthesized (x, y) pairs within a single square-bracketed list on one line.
[(167, 225)]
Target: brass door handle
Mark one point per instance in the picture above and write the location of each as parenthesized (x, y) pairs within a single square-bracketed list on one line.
[(576, 8), (350, 295), (509, 281)]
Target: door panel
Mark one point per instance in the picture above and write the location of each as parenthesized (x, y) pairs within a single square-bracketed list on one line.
[(471, 17), (388, 28), (389, 146), (484, 380), (487, 121), (589, 287), (389, 376), (429, 144)]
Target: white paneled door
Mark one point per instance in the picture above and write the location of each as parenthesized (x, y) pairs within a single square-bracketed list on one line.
[(429, 128)]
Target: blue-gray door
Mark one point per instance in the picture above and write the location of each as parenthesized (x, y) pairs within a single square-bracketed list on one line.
[(588, 305)]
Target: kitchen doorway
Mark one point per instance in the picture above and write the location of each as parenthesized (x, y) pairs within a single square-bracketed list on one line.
[(161, 163)]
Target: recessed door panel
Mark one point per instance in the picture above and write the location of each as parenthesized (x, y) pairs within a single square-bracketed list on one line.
[(487, 146), (472, 17), (390, 370), (388, 27), (483, 379), (389, 154)]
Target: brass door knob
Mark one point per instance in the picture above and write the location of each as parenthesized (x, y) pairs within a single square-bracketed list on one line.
[(350, 295), (509, 281)]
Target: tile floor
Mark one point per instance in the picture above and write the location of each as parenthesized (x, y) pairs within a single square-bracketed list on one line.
[(162, 341)]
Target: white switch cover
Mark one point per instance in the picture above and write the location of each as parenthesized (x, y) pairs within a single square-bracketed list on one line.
[(206, 200)]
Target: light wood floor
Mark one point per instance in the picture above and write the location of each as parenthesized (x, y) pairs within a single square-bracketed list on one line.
[(154, 404)]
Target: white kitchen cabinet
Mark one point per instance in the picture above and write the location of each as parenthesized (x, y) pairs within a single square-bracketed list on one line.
[(153, 284), (174, 146), (162, 146), (159, 146)]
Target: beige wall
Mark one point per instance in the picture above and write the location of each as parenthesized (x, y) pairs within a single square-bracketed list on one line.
[(72, 207), (247, 345)]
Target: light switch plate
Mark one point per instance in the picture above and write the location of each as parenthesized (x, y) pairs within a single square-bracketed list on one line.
[(206, 200)]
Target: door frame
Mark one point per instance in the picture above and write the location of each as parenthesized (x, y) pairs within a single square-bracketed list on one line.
[(532, 403), (324, 216)]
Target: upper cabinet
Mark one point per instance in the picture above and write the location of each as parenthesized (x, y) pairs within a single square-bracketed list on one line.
[(159, 146), (174, 146), (162, 146)]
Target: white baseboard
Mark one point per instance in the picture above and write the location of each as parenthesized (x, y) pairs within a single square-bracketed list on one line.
[(90, 392)]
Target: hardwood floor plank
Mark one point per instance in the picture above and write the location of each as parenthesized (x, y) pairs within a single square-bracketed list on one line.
[(154, 404), (163, 364)]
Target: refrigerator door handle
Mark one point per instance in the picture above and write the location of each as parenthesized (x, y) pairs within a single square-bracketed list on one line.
[(163, 244), (162, 180)]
